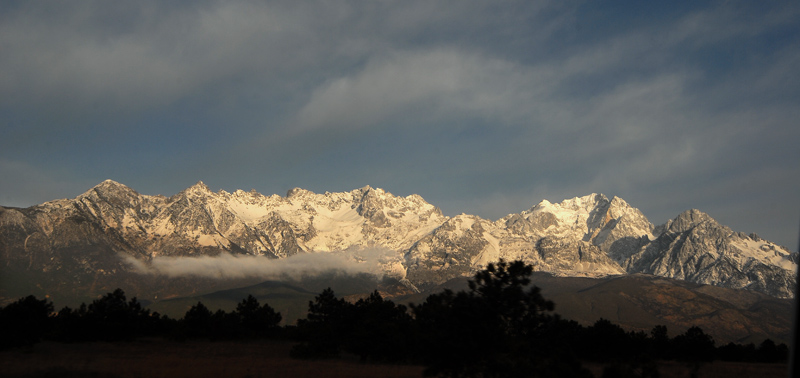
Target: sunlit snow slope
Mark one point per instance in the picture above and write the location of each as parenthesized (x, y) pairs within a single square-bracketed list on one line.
[(585, 236)]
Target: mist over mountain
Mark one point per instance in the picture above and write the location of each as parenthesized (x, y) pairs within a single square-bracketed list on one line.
[(111, 235)]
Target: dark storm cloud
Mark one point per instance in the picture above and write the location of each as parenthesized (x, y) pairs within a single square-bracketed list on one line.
[(480, 107)]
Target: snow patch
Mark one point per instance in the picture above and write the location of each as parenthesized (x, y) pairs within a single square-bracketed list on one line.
[(765, 252)]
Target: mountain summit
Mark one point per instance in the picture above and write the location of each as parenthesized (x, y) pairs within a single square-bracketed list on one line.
[(102, 232)]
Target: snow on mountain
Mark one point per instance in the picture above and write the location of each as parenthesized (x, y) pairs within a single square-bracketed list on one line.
[(584, 236), (751, 247), (694, 247)]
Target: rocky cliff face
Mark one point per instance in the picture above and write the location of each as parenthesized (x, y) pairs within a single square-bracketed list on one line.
[(86, 238), (694, 247)]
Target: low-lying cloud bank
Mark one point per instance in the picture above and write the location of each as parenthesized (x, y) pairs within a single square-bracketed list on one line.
[(376, 261)]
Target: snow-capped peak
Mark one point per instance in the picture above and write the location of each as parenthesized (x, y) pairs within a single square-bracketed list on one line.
[(110, 190), (298, 192), (107, 186), (198, 187), (586, 236), (686, 220)]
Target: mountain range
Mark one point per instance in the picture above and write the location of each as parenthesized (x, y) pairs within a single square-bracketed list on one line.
[(163, 247)]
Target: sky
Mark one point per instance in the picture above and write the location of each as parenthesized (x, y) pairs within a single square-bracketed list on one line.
[(482, 108)]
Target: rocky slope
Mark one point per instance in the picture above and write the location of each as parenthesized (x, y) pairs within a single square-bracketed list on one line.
[(94, 237)]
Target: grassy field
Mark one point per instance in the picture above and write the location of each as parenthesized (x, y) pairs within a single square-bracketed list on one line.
[(160, 358), (157, 358)]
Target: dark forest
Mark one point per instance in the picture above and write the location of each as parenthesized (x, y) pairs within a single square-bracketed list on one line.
[(500, 327)]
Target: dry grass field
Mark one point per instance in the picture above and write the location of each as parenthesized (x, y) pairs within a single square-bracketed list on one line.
[(159, 358), (716, 369), (168, 359)]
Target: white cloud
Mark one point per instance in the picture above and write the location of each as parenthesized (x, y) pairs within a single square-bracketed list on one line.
[(406, 81), (226, 266), (156, 55), (728, 22)]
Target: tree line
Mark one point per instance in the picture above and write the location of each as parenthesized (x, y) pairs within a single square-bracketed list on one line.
[(500, 327)]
